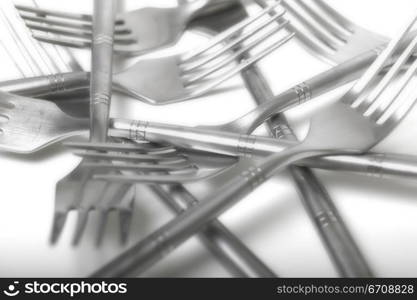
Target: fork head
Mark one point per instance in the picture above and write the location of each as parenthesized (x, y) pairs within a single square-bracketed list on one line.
[(183, 77), (29, 125), (327, 33), (136, 32)]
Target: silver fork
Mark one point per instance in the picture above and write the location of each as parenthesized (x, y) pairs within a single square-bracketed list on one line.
[(225, 246), (182, 77), (136, 32), (353, 125)]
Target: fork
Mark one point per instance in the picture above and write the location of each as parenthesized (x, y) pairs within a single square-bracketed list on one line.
[(76, 190), (325, 32), (136, 32), (182, 77), (353, 125), (224, 245)]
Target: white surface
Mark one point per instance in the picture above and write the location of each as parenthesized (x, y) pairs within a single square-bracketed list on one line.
[(382, 214)]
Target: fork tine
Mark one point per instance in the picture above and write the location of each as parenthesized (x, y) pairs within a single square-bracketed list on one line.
[(125, 210), (232, 44), (380, 115), (304, 37), (69, 32), (230, 32), (125, 221), (242, 65), (60, 41), (371, 101), (371, 73), (82, 219), (164, 178), (77, 33), (45, 12), (237, 54), (58, 224)]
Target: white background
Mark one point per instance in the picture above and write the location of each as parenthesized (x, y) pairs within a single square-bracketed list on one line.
[(381, 214)]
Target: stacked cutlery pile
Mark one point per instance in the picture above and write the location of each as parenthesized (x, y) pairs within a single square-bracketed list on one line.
[(201, 172)]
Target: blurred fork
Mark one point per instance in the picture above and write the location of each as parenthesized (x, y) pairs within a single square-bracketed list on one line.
[(183, 77), (353, 125), (136, 32), (325, 32)]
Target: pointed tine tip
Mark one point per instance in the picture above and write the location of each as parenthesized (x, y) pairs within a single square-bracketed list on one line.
[(57, 226)]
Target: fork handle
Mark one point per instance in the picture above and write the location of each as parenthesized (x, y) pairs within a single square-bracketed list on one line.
[(47, 85), (101, 68)]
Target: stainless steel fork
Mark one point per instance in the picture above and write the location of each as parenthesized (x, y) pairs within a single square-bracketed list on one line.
[(353, 125), (136, 32), (183, 77)]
